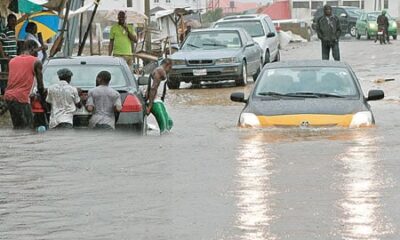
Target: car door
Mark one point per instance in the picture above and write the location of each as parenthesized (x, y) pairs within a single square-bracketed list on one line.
[(251, 52), (273, 42), (363, 24), (342, 15)]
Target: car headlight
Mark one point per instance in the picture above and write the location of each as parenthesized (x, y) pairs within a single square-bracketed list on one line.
[(361, 119), (394, 25), (226, 60), (178, 62), (373, 25), (249, 120)]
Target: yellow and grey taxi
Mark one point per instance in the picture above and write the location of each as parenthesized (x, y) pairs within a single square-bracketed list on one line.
[(305, 94)]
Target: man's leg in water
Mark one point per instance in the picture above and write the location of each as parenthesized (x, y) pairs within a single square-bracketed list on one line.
[(161, 115)]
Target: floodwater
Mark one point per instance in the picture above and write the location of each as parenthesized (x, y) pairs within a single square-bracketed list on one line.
[(209, 180)]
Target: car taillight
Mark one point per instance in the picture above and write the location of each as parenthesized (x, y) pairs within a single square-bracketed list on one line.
[(131, 104), (37, 106)]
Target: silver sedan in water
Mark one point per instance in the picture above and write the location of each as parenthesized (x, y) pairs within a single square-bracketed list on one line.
[(216, 55)]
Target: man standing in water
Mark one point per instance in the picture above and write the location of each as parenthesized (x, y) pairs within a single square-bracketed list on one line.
[(122, 37), (156, 101), (23, 70), (329, 31), (103, 101)]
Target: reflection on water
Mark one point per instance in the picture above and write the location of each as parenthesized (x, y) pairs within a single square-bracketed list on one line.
[(362, 184), (254, 189)]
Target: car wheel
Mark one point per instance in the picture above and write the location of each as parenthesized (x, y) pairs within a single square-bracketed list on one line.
[(278, 56), (255, 76), (173, 84), (358, 35), (394, 37), (267, 57), (353, 31), (242, 81), (368, 36)]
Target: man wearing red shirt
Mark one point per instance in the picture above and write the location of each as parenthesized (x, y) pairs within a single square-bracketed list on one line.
[(25, 73)]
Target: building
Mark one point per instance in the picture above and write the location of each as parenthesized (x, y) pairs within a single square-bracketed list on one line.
[(233, 6), (136, 5), (303, 9), (172, 4)]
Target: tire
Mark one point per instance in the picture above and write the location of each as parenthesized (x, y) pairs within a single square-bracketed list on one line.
[(278, 56), (242, 80), (267, 57), (173, 84), (358, 35), (255, 76), (353, 31), (394, 37)]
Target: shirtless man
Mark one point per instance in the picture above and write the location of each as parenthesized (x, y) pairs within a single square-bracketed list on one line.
[(156, 101)]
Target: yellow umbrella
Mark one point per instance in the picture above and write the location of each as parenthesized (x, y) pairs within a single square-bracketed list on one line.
[(47, 23)]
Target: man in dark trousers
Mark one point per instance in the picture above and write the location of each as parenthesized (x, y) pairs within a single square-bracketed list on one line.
[(25, 71), (329, 31), (383, 22)]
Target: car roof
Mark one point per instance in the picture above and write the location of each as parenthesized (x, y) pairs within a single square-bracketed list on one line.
[(307, 63), (88, 60), (247, 17)]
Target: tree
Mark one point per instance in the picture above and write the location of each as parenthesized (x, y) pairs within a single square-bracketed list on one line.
[(213, 15)]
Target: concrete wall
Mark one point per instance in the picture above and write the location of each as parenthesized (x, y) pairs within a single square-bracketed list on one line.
[(138, 5), (196, 4)]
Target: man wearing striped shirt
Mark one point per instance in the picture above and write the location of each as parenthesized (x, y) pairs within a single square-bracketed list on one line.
[(8, 39)]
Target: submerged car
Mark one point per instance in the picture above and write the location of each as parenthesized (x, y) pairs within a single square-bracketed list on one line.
[(85, 70), (216, 55), (261, 29), (307, 94), (367, 25)]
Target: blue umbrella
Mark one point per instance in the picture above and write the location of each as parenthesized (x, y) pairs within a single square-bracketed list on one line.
[(47, 23)]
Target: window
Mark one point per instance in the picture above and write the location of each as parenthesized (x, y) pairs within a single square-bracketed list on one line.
[(168, 1), (254, 28), (156, 1), (332, 3), (354, 3), (316, 5), (304, 4), (129, 3), (386, 4)]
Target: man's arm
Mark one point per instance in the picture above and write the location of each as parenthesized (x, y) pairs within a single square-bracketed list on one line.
[(338, 28), (90, 102), (38, 67), (77, 99), (318, 28), (118, 104), (110, 47), (2, 54), (131, 36)]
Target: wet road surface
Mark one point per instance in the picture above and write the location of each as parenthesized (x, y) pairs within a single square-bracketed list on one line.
[(208, 179)]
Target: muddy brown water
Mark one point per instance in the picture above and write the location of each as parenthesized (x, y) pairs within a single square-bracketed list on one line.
[(209, 180)]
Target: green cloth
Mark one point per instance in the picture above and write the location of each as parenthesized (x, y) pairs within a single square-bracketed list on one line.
[(9, 42), (122, 43), (25, 6), (164, 121)]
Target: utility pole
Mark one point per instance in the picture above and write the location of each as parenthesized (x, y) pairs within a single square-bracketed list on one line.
[(147, 29)]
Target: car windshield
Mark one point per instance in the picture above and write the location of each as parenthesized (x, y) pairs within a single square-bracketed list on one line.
[(374, 16), (84, 76), (254, 28), (313, 82), (354, 12), (212, 40)]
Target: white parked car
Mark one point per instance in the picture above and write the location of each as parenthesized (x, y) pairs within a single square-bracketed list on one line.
[(261, 29)]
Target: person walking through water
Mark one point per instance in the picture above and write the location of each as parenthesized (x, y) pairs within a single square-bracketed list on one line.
[(329, 30), (122, 36), (383, 23), (155, 101), (25, 71)]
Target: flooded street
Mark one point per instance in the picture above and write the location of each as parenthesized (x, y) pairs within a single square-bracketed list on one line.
[(210, 180)]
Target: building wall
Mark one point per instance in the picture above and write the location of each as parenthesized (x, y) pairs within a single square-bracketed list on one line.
[(171, 4), (137, 5), (393, 6)]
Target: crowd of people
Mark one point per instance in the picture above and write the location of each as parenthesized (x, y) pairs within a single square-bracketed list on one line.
[(25, 80)]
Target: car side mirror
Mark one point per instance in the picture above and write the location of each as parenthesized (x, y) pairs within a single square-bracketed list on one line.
[(250, 44), (270, 35), (238, 97), (343, 15), (374, 95), (143, 81)]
